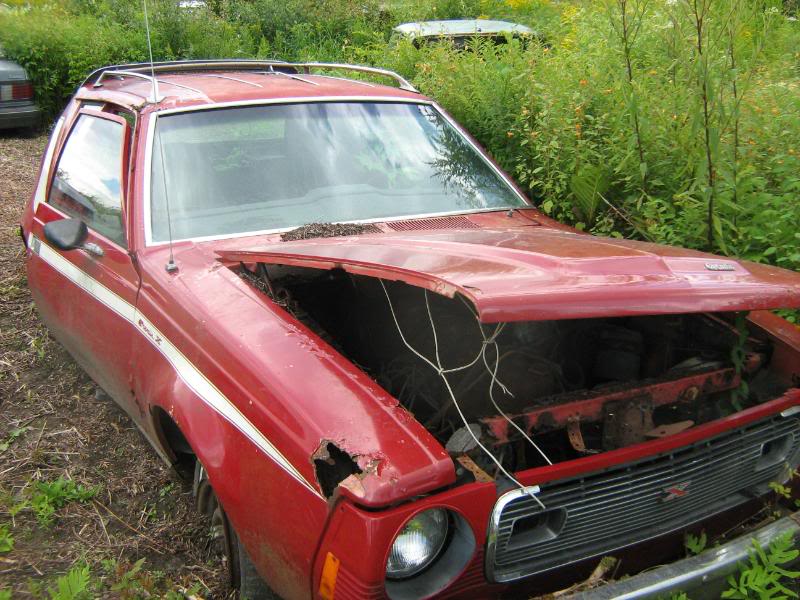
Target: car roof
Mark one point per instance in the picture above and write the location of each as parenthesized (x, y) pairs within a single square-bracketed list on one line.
[(197, 84), (460, 27)]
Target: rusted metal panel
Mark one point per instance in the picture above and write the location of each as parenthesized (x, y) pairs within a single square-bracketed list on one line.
[(558, 414)]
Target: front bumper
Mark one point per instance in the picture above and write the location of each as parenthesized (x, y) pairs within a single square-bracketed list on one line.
[(702, 576), (25, 115)]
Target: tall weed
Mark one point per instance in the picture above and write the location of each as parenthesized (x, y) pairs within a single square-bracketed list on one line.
[(674, 121)]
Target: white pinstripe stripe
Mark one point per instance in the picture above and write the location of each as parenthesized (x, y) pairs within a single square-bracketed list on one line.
[(191, 375)]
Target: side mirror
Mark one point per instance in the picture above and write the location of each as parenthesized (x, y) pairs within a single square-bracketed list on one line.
[(66, 234)]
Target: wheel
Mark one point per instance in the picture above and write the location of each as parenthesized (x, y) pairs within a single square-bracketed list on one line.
[(225, 544)]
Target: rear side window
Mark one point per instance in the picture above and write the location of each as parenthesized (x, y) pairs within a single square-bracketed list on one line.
[(87, 183)]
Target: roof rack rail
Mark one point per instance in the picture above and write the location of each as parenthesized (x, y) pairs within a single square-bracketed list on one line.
[(190, 66)]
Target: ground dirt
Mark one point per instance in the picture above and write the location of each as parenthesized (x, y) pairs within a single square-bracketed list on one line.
[(54, 426)]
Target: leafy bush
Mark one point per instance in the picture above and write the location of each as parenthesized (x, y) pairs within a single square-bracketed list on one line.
[(670, 121), (683, 148), (107, 32), (57, 64)]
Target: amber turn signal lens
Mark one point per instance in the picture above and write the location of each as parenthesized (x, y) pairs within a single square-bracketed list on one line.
[(327, 583)]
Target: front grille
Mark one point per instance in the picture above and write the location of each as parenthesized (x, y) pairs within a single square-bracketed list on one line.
[(603, 511)]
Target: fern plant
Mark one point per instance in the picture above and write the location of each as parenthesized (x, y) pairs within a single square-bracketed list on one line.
[(765, 577), (695, 544), (72, 586)]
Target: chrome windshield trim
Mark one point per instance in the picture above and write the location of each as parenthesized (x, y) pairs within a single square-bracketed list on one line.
[(153, 121), (289, 100)]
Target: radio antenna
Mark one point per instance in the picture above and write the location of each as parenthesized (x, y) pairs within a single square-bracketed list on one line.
[(150, 50), (171, 267)]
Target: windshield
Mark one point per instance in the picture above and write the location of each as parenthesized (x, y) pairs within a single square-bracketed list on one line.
[(239, 170)]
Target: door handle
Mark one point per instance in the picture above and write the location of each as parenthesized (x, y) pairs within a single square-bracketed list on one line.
[(93, 248)]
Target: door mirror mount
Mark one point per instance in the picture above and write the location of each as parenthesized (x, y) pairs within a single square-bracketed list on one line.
[(66, 234)]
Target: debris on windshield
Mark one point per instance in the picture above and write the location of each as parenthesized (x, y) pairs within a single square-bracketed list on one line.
[(320, 230)]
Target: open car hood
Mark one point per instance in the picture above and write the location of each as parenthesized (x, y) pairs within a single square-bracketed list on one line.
[(538, 273)]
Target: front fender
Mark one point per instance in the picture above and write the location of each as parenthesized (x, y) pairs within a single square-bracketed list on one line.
[(278, 519)]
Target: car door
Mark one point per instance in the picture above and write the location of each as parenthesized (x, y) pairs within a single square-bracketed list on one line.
[(86, 296)]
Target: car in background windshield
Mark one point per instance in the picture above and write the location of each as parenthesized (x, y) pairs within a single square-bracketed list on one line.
[(461, 31)]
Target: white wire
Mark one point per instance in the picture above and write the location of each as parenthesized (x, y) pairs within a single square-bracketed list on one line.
[(441, 372), (493, 374), (494, 403)]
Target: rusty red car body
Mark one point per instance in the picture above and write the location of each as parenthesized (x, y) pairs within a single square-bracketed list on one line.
[(257, 393)]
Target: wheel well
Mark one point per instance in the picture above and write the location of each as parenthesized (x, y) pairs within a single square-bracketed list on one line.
[(174, 443)]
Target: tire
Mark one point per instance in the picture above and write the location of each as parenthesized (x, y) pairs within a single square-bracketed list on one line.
[(225, 544)]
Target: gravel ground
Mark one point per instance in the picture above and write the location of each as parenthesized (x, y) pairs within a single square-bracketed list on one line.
[(52, 426)]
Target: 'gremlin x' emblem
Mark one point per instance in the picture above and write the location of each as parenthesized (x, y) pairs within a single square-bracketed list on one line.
[(676, 490)]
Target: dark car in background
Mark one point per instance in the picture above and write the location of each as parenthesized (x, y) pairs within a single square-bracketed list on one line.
[(17, 108)]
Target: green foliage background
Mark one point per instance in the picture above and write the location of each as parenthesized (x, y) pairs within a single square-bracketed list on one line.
[(697, 145)]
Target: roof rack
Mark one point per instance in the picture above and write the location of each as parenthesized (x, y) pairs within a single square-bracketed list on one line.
[(143, 70)]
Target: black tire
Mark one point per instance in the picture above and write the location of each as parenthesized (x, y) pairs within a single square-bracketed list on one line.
[(225, 544)]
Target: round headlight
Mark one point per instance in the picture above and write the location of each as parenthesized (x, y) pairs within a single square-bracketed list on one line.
[(418, 544)]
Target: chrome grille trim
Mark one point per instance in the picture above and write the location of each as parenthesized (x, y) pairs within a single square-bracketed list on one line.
[(616, 507)]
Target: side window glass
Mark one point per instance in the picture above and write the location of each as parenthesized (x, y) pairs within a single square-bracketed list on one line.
[(87, 183)]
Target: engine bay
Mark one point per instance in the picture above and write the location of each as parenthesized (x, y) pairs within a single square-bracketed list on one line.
[(505, 397)]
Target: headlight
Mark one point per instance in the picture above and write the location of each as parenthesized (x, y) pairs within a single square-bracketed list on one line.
[(418, 544)]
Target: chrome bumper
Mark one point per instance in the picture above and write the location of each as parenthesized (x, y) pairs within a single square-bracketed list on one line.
[(701, 576), (22, 114)]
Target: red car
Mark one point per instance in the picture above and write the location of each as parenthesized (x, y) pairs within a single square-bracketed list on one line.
[(387, 372)]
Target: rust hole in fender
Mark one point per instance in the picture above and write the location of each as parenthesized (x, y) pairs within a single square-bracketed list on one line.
[(332, 466)]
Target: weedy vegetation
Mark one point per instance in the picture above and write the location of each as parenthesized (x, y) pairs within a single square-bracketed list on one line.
[(767, 574), (672, 121), (695, 544)]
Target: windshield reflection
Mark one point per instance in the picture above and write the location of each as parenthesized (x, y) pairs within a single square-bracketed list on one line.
[(239, 170)]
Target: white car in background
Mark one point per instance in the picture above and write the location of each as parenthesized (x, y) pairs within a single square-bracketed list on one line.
[(460, 31)]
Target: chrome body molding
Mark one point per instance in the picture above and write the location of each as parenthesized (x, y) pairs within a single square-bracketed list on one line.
[(702, 576)]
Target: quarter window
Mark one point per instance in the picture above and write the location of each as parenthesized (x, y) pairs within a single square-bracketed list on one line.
[(87, 184)]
